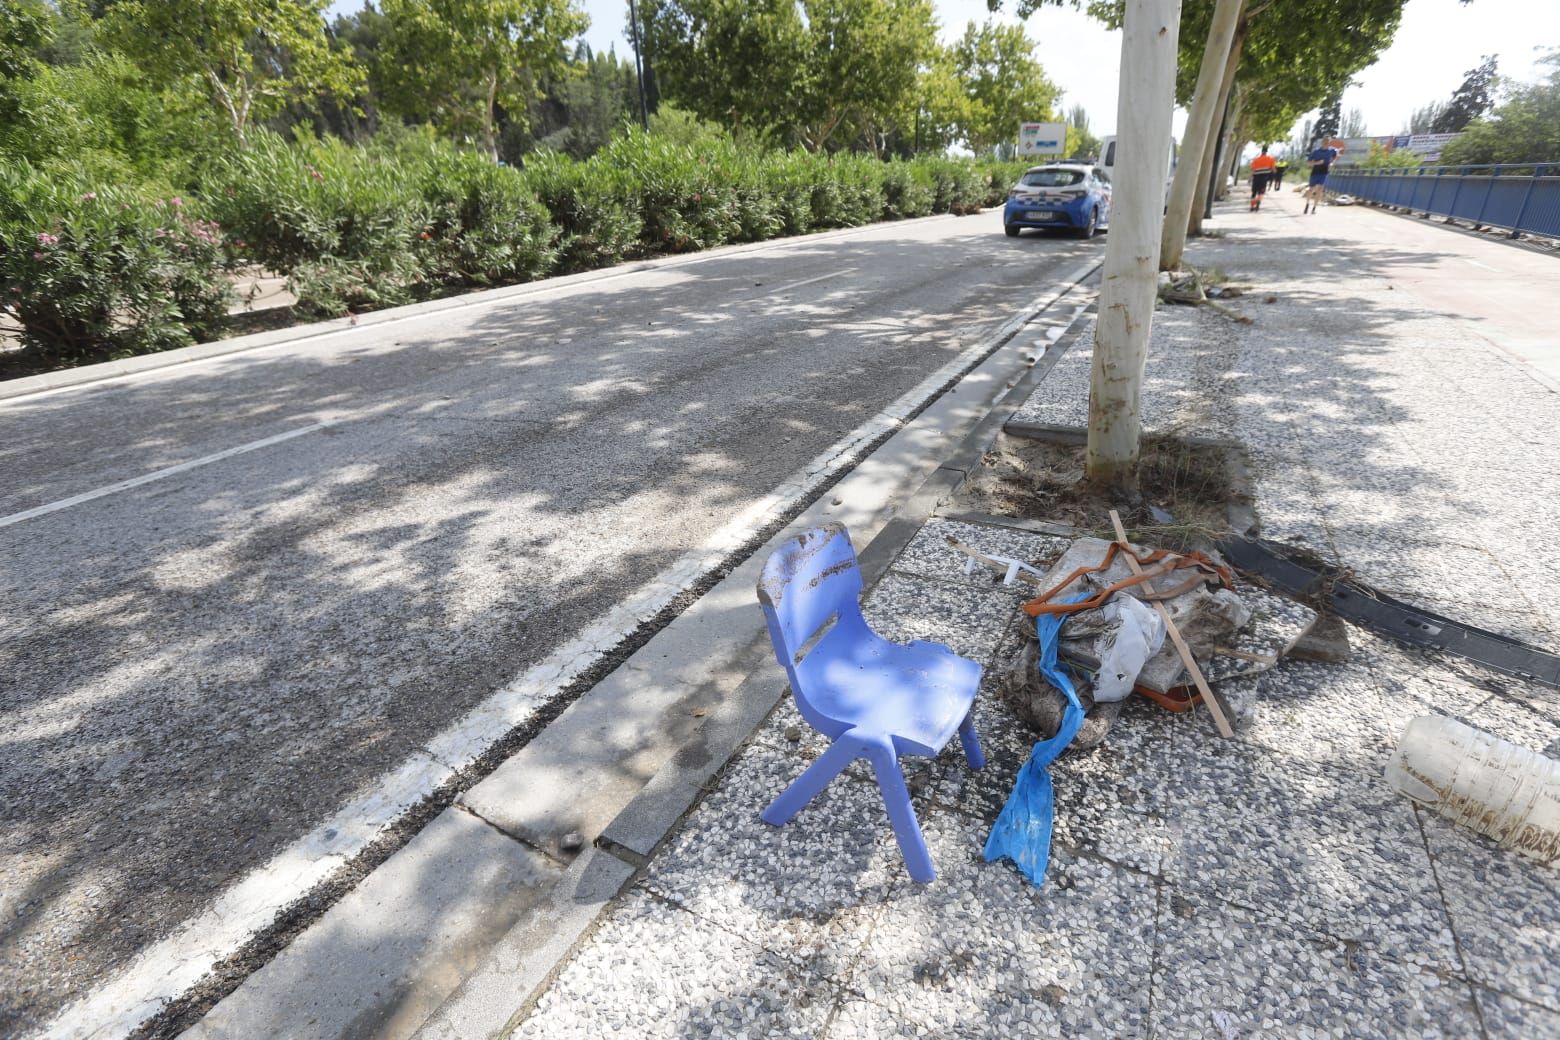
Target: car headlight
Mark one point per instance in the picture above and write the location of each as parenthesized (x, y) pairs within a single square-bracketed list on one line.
[(1013, 194)]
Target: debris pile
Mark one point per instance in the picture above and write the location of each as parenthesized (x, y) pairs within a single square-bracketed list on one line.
[(1188, 287), (1175, 628)]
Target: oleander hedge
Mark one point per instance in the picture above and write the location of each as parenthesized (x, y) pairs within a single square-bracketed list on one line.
[(92, 269)]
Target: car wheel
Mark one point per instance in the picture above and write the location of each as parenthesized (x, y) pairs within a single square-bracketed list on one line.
[(1087, 231), (1012, 232)]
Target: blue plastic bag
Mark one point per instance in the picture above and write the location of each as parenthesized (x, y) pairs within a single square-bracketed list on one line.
[(1022, 832)]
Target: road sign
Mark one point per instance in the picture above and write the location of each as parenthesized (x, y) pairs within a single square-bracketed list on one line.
[(1042, 138)]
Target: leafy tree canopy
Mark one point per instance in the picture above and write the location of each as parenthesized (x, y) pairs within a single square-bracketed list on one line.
[(822, 73), (456, 63), (251, 57), (25, 26), (735, 63), (1525, 129), (862, 60), (1475, 97), (1003, 81)]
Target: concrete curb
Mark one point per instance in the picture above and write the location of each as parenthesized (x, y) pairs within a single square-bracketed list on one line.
[(26, 386), (486, 1004)]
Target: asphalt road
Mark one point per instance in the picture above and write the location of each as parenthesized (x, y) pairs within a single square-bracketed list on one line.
[(199, 669)]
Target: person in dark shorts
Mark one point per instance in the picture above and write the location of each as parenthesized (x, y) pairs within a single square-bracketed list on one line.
[(1279, 169), (1261, 173), (1321, 159)]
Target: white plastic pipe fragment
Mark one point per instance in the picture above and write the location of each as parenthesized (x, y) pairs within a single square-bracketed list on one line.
[(1502, 790)]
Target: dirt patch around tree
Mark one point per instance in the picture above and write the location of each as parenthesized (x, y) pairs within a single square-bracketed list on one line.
[(1185, 487)]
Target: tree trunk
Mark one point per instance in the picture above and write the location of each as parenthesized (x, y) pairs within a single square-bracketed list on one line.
[(1200, 200), (224, 99), (489, 137), (1226, 156), (1126, 305), (1201, 121), (1234, 145)]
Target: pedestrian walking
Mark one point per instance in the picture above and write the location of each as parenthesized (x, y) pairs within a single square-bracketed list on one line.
[(1279, 169), (1323, 152), (1261, 172)]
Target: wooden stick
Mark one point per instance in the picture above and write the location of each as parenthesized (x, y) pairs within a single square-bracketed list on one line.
[(1175, 637)]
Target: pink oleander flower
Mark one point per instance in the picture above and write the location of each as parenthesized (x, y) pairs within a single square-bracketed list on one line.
[(46, 239), (176, 201), (39, 256), (89, 196)]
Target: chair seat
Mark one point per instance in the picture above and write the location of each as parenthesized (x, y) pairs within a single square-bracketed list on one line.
[(917, 694)]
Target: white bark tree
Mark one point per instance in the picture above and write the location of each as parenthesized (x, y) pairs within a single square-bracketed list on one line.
[(1202, 121), (1147, 98), (1212, 155)]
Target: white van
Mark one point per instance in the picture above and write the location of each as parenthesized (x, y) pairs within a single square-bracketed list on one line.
[(1108, 162)]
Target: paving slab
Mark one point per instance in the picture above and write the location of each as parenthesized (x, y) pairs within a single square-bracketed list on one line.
[(929, 555), (1230, 972), (1502, 909), (807, 891), (1507, 1018), (1327, 849), (722, 984), (982, 952), (386, 956)]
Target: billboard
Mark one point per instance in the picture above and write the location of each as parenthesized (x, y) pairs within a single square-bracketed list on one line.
[(1042, 138), (1428, 146)]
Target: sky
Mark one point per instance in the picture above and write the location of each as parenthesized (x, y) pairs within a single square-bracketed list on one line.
[(1438, 42)]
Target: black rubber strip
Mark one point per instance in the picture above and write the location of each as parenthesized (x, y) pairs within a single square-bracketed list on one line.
[(1279, 566)]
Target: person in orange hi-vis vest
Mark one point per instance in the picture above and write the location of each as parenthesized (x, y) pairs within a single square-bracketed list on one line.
[(1261, 171)]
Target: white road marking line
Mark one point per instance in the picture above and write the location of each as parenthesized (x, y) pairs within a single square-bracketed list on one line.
[(807, 281), (125, 485), (166, 970), (1476, 263)]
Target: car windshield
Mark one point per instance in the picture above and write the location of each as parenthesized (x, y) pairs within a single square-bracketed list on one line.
[(1051, 178)]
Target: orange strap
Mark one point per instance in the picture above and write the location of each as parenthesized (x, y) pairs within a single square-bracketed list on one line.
[(1156, 563)]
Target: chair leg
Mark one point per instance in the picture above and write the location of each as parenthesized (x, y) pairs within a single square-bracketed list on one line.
[(812, 781), (971, 743), (896, 799)]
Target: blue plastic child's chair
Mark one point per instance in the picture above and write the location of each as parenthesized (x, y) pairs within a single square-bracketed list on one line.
[(872, 698)]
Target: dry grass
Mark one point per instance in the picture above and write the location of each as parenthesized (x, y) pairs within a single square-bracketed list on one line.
[(1044, 480)]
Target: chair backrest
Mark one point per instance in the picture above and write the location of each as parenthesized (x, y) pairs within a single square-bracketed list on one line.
[(807, 581)]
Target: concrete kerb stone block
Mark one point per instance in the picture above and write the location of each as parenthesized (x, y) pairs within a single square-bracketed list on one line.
[(638, 831), (501, 991), (1047, 432), (390, 953)]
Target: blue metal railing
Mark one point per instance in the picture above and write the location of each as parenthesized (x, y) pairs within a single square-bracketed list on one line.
[(1523, 198)]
